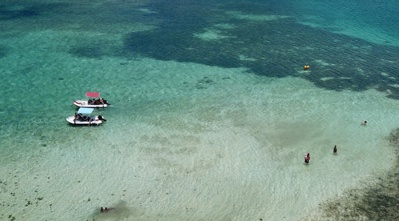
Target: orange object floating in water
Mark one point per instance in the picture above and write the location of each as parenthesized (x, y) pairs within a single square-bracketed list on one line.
[(306, 67)]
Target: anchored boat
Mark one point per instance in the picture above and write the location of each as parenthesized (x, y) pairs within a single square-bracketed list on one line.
[(94, 101), (84, 117)]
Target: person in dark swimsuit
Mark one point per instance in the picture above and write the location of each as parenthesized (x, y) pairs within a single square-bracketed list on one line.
[(105, 209)]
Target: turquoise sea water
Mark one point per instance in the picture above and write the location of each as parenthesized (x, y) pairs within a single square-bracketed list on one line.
[(211, 111)]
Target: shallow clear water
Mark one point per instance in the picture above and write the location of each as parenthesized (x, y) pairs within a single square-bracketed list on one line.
[(211, 111)]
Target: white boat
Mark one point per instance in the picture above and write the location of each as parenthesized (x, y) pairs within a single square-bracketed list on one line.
[(84, 117), (94, 101)]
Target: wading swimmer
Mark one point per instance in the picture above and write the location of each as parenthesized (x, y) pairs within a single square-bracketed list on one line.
[(307, 158), (335, 149)]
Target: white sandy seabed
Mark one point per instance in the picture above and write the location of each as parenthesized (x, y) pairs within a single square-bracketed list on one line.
[(203, 143)]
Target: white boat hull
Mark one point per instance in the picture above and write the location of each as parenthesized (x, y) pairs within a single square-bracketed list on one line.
[(73, 121), (85, 103)]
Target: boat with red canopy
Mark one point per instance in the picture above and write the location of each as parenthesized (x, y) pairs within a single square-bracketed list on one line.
[(94, 101)]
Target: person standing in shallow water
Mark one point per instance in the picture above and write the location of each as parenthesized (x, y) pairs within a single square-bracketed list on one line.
[(307, 158), (335, 150)]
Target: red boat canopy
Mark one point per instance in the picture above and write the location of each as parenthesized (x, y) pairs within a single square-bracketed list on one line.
[(93, 94)]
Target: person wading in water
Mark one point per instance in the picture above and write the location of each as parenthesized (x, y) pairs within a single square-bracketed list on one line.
[(307, 158)]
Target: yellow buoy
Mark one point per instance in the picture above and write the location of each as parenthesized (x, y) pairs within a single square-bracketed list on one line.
[(306, 67)]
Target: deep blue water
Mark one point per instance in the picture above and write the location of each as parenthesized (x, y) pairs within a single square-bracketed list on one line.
[(174, 40)]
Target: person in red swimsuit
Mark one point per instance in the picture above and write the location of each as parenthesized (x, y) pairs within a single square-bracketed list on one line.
[(307, 158)]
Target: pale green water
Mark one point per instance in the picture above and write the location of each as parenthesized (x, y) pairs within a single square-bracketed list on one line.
[(183, 140)]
